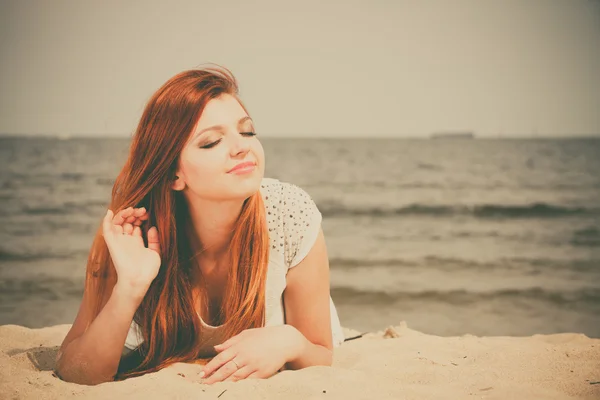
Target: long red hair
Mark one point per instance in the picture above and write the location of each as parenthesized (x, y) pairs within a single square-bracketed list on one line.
[(167, 317)]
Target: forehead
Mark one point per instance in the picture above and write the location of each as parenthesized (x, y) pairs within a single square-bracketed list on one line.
[(225, 109)]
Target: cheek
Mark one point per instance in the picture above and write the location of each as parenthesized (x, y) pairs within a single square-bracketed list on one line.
[(203, 177), (259, 151), (260, 157), (198, 167)]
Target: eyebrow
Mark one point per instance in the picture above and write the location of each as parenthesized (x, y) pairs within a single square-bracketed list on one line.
[(221, 127)]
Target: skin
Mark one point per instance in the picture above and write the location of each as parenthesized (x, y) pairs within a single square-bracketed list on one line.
[(91, 351), (305, 340), (215, 198)]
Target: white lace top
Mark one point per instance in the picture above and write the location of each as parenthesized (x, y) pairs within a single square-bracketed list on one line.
[(293, 221)]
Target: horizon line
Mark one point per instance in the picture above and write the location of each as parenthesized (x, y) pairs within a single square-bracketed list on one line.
[(428, 136)]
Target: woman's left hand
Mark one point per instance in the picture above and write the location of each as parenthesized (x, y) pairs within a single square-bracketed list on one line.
[(254, 353)]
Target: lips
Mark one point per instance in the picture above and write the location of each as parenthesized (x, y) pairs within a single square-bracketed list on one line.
[(241, 166)]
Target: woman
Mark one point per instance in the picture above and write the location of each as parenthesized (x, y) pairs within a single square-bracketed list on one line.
[(206, 258)]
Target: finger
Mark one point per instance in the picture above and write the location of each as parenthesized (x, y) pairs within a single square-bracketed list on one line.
[(140, 220), (122, 216), (254, 375), (137, 232), (228, 343), (222, 373), (116, 229), (127, 228), (138, 212), (106, 223), (241, 373), (153, 240), (218, 361)]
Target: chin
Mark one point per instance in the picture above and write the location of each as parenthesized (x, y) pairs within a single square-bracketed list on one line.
[(245, 188)]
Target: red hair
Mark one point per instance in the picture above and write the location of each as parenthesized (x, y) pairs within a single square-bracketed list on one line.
[(167, 317)]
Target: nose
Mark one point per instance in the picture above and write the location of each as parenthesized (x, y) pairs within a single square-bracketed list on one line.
[(239, 145)]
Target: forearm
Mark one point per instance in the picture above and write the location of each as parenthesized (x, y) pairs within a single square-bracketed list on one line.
[(94, 356), (306, 353)]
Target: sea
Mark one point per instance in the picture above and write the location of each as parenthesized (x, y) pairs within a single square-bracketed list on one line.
[(452, 236)]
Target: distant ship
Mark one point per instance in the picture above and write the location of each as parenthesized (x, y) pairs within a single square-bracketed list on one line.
[(453, 135)]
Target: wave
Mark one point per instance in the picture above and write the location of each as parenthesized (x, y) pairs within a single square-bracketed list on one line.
[(464, 297), (67, 208), (589, 236), (105, 181), (55, 288), (452, 264), (50, 210), (47, 288), (361, 186), (535, 210), (72, 176), (7, 255)]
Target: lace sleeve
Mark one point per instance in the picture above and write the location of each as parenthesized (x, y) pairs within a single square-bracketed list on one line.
[(302, 221)]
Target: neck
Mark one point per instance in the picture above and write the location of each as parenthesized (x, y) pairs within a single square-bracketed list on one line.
[(213, 222)]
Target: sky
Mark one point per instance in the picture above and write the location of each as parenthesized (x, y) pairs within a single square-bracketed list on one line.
[(309, 68)]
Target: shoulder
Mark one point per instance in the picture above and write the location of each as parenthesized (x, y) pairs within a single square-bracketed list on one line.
[(286, 200), (275, 191), (271, 189), (293, 218)]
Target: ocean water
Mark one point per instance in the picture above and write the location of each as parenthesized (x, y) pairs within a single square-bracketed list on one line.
[(487, 237)]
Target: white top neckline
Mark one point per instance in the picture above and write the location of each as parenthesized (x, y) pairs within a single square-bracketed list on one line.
[(211, 327)]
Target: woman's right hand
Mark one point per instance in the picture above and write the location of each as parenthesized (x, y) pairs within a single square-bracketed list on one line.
[(136, 264)]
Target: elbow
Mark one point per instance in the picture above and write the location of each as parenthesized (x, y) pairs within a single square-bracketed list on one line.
[(79, 377), (325, 358), (326, 351), (329, 357), (77, 371)]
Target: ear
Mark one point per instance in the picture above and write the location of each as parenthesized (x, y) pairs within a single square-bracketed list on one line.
[(178, 184)]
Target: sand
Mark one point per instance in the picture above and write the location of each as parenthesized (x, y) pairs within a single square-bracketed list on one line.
[(396, 363)]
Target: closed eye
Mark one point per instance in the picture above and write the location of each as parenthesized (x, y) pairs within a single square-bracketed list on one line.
[(213, 144)]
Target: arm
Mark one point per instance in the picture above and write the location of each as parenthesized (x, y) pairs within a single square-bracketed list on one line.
[(93, 356), (305, 340), (306, 302), (91, 351)]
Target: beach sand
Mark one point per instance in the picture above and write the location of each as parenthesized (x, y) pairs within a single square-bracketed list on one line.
[(396, 363)]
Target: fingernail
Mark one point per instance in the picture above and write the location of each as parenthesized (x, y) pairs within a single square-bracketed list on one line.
[(202, 374)]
